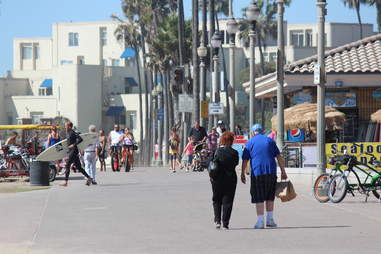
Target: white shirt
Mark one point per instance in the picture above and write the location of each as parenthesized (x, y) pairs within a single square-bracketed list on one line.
[(115, 137)]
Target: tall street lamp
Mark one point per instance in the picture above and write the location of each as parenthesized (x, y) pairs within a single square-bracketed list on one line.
[(252, 13), (280, 77), (154, 124), (322, 11), (215, 42), (232, 28), (160, 111), (202, 52)]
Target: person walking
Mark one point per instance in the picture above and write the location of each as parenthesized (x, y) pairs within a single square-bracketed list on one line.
[(102, 144), (225, 183), (220, 127), (262, 151), (213, 140), (189, 151), (174, 143), (91, 156), (73, 139), (198, 133)]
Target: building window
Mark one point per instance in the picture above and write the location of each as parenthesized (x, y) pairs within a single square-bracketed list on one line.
[(297, 38), (37, 51), (73, 39), (36, 117), (273, 57), (42, 91), (132, 120), (309, 38), (115, 62), (63, 62), (266, 56), (27, 51), (103, 36)]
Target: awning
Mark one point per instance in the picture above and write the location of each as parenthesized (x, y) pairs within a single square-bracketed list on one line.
[(48, 83), (128, 53), (131, 81), (114, 111)]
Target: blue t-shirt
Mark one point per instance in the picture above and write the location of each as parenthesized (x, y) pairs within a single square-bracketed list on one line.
[(261, 151)]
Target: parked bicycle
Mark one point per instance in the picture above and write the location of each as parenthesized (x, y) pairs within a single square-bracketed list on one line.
[(335, 186)]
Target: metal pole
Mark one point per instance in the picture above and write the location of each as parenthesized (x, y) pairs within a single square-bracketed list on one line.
[(321, 4), (280, 77), (215, 84), (160, 129), (204, 42), (154, 137), (195, 62), (202, 85), (232, 81), (252, 77), (211, 32)]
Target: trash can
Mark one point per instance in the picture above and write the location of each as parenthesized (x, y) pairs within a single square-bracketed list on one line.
[(39, 173)]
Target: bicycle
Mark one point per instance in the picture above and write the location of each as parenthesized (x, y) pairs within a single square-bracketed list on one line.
[(115, 158), (339, 185), (128, 157)]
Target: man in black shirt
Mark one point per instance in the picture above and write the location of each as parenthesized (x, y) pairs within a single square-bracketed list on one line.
[(198, 132), (73, 139)]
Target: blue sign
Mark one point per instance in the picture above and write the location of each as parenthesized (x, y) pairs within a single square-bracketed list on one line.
[(296, 135), (160, 114), (376, 94), (339, 83)]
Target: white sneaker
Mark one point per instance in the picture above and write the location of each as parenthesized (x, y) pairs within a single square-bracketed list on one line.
[(271, 224), (259, 225)]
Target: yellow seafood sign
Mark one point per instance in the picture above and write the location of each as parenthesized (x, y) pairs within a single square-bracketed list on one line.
[(360, 150)]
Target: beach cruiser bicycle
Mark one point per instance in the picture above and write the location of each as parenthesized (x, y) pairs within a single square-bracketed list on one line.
[(115, 157), (335, 186), (128, 156)]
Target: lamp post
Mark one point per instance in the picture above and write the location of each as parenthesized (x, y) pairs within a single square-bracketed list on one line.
[(322, 11), (215, 42), (202, 52), (232, 29), (280, 77), (252, 13)]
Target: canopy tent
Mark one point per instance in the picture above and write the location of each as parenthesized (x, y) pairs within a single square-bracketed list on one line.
[(27, 127), (304, 116)]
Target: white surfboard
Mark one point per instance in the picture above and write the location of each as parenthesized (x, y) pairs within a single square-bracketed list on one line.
[(59, 151)]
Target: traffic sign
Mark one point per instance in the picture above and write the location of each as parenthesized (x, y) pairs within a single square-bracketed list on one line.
[(216, 109), (185, 103), (204, 109), (317, 74)]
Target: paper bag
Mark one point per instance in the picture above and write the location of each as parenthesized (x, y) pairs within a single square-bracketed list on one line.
[(285, 191)]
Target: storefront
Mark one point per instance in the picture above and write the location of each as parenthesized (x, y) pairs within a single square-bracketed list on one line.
[(353, 87)]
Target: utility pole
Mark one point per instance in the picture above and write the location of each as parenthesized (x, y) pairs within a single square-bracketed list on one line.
[(322, 12), (280, 77), (211, 33)]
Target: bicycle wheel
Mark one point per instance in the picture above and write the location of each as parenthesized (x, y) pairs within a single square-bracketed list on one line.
[(338, 188), (321, 187), (377, 184), (127, 165)]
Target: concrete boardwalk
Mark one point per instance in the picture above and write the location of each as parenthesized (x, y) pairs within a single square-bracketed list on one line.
[(151, 210)]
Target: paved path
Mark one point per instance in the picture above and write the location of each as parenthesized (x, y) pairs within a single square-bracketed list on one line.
[(151, 210)]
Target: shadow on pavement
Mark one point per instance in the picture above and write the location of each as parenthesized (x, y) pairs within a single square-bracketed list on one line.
[(309, 227)]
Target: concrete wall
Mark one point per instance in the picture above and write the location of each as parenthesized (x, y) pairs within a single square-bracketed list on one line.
[(89, 45), (23, 106), (343, 33), (90, 96), (43, 62)]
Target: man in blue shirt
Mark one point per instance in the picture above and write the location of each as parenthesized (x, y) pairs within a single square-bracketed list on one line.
[(262, 151)]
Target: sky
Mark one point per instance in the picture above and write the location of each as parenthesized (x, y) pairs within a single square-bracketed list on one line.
[(34, 18)]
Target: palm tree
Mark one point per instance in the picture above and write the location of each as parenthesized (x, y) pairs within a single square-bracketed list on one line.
[(355, 4)]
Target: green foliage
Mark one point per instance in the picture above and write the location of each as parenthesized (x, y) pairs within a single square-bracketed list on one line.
[(244, 75)]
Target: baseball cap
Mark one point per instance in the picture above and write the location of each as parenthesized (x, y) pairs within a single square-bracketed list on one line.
[(257, 128), (220, 122)]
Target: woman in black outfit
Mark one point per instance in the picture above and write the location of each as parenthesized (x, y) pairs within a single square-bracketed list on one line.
[(225, 182)]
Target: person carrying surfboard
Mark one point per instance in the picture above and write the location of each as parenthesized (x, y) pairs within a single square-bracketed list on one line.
[(73, 140)]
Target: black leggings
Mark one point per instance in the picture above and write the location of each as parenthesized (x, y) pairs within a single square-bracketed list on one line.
[(73, 158), (223, 197)]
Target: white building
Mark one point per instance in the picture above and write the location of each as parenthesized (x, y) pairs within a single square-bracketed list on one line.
[(78, 73)]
